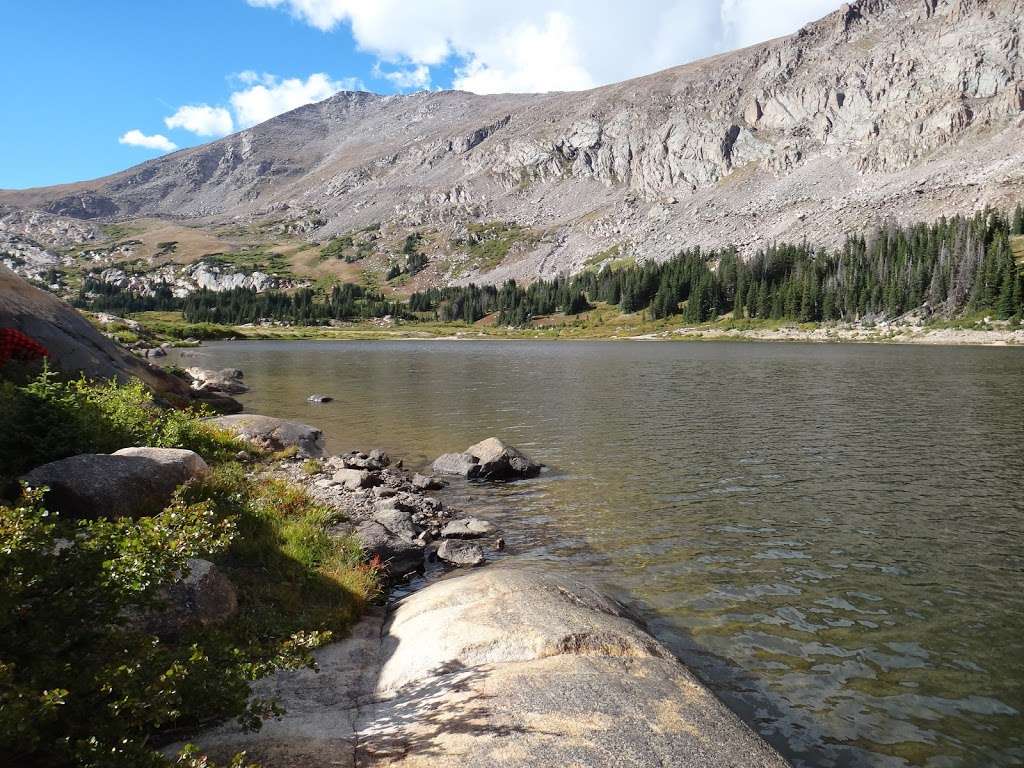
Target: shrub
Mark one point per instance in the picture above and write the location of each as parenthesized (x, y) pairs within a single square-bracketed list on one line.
[(49, 419)]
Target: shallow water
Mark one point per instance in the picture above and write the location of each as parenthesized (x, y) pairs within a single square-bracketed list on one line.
[(831, 536)]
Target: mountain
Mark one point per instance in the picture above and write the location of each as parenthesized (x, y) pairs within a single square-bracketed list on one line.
[(885, 109)]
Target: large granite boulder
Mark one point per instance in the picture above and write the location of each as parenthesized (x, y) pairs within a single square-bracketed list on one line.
[(273, 434), (203, 597), (489, 459), (132, 482), (504, 666), (73, 344)]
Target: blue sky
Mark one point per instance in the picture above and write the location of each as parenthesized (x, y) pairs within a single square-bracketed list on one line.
[(94, 87)]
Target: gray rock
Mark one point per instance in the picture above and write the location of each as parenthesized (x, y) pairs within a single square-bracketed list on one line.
[(426, 482), (353, 479), (227, 380), (272, 434), (501, 462), (460, 553), (399, 554), (132, 482), (503, 666), (397, 521), (204, 597), (467, 528), (74, 345), (319, 399), (460, 464)]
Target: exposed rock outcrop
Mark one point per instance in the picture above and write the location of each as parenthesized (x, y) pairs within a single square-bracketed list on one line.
[(73, 344), (226, 381), (504, 667), (131, 482)]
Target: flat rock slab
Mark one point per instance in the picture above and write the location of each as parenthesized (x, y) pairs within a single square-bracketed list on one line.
[(273, 434), (467, 528), (504, 666), (132, 482)]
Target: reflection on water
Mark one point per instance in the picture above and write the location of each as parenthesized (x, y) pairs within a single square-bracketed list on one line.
[(831, 536)]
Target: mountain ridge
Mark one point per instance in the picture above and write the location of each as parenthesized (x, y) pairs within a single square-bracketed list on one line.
[(904, 109)]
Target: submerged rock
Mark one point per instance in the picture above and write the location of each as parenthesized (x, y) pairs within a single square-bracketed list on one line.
[(460, 553), (132, 482), (272, 434)]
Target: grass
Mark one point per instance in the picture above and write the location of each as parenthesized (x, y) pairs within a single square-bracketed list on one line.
[(253, 259), (489, 243)]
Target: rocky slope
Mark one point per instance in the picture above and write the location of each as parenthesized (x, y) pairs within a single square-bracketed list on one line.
[(885, 108)]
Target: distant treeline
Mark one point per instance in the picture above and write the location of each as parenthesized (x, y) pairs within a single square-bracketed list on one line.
[(302, 307), (956, 265)]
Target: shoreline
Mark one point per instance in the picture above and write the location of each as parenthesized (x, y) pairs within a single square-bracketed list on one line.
[(502, 663), (905, 336)]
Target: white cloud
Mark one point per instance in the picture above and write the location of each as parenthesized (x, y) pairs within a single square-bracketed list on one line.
[(202, 120), (269, 96), (541, 45), (136, 138), (410, 78)]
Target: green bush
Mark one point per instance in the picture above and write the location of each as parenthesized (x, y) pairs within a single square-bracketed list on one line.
[(81, 685), (78, 685), (49, 419)]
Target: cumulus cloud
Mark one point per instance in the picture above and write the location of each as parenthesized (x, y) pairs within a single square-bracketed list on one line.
[(543, 45), (405, 79), (268, 96), (136, 138), (202, 120)]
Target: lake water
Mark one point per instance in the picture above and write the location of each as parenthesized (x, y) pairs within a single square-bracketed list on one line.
[(832, 537)]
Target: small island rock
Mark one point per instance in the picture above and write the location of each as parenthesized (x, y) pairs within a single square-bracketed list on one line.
[(274, 434)]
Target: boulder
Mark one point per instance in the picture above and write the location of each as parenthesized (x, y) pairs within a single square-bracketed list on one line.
[(467, 528), (399, 554), (460, 464), (501, 462), (489, 459), (132, 482), (74, 345), (353, 479), (460, 553), (203, 597), (319, 399), (227, 380), (272, 434)]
